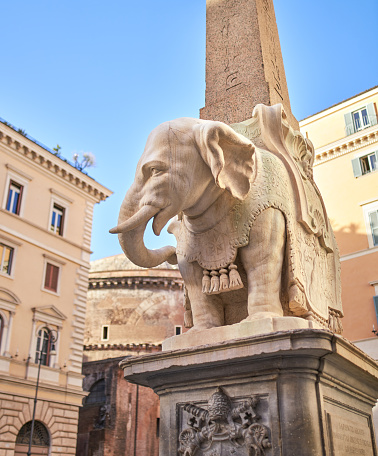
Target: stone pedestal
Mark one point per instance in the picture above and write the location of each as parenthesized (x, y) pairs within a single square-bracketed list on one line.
[(292, 393)]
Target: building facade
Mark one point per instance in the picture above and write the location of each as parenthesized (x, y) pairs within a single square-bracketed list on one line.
[(46, 208), (130, 311), (345, 137)]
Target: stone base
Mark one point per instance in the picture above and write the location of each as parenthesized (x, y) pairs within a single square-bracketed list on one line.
[(237, 331), (302, 392)]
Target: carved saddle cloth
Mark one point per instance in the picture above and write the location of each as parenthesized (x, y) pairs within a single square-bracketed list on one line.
[(307, 277)]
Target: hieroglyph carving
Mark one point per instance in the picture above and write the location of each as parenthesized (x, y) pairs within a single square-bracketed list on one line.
[(224, 428)]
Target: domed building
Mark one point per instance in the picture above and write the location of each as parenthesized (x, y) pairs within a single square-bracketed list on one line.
[(130, 311)]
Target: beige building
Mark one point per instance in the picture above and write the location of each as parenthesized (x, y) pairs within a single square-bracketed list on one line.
[(46, 208), (345, 137)]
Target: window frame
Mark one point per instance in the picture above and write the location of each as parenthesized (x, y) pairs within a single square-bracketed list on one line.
[(373, 235), (54, 262), (357, 162), (37, 351), (11, 259), (55, 212), (102, 333), (19, 178), (52, 318), (176, 328), (13, 245), (350, 126), (94, 392), (10, 197), (361, 117), (367, 210), (62, 202), (8, 307)]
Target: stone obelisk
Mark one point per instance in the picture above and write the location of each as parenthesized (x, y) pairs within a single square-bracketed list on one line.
[(244, 65)]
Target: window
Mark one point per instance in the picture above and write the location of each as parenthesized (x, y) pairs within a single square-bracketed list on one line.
[(44, 347), (1, 330), (8, 307), (369, 163), (51, 277), (373, 219), (15, 190), (14, 197), (59, 210), (178, 330), (365, 164), (40, 438), (97, 393), (370, 211), (6, 257), (57, 219), (360, 119), (105, 332)]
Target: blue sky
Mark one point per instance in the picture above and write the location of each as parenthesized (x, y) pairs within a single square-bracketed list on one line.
[(98, 77)]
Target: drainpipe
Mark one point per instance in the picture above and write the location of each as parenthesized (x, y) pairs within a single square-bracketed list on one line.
[(136, 419)]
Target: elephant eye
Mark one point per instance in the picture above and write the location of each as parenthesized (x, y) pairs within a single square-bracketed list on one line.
[(155, 172)]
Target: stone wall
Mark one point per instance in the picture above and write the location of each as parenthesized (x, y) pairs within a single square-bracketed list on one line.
[(61, 421), (131, 415)]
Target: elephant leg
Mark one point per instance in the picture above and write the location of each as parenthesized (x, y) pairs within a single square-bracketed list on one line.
[(263, 261), (207, 311)]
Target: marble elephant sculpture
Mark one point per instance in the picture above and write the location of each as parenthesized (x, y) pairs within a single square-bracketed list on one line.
[(203, 172)]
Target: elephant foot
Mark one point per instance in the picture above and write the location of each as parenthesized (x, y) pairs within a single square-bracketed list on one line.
[(261, 315), (197, 328)]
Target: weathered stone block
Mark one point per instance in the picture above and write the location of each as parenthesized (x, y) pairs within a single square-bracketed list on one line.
[(302, 392)]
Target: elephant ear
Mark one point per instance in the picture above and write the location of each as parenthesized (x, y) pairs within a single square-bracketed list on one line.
[(228, 154)]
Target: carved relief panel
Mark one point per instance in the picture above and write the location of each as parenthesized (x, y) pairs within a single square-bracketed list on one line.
[(225, 426)]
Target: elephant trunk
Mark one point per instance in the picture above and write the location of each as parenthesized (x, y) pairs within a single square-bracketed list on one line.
[(130, 236)]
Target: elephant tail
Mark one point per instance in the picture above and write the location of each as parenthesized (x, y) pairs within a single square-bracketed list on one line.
[(188, 316)]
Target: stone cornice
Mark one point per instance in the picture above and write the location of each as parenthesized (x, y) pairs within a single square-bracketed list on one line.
[(346, 145), (17, 143), (135, 282), (133, 347)]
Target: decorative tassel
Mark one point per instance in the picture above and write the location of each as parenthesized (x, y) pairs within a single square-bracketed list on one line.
[(332, 322), (206, 281), (224, 281), (214, 287), (188, 319), (235, 280), (339, 326)]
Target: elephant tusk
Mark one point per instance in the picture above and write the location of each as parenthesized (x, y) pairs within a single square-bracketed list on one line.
[(142, 216)]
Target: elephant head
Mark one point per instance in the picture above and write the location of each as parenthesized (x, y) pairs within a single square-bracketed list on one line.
[(186, 165)]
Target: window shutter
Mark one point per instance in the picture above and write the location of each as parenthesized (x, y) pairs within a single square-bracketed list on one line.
[(376, 306), (371, 113), (357, 171), (48, 275), (349, 127), (19, 201), (51, 279), (54, 281), (373, 217)]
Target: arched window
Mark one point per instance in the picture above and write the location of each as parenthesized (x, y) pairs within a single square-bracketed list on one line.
[(40, 440), (97, 393), (44, 347)]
